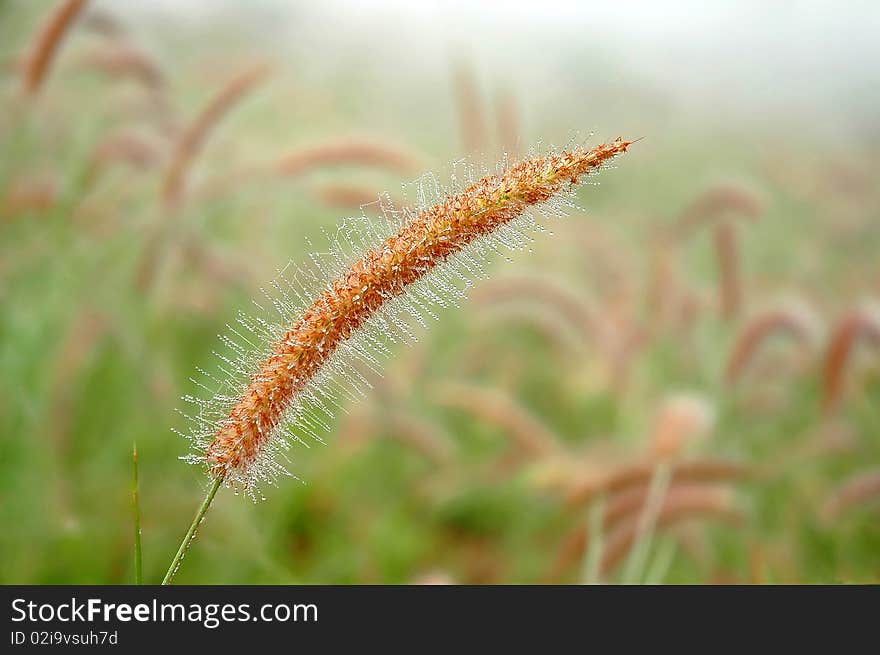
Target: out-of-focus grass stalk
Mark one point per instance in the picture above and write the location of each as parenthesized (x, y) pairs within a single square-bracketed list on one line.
[(239, 449), (593, 557), (135, 506), (637, 557)]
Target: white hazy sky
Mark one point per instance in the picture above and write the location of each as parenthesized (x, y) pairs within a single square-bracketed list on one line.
[(753, 55)]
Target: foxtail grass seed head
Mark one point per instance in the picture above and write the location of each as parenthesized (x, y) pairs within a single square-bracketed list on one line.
[(861, 490), (623, 509), (507, 121), (349, 151), (794, 319), (860, 324), (730, 288), (701, 504), (626, 477), (565, 304), (104, 23), (36, 193), (472, 123), (124, 62), (128, 147), (527, 431), (341, 310), (717, 203), (345, 196), (194, 137), (681, 420)]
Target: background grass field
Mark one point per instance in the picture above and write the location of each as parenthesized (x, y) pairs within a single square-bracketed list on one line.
[(412, 486)]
